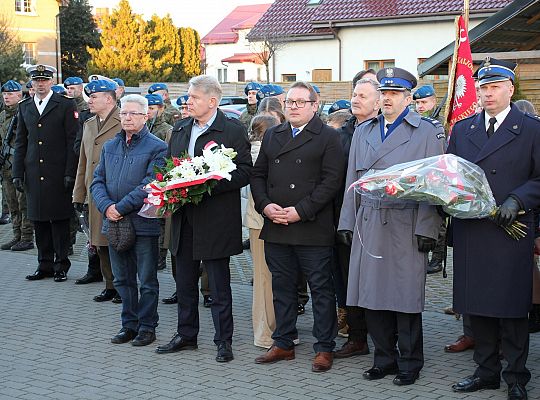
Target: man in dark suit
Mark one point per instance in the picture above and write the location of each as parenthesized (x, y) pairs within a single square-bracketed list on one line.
[(44, 166), (295, 180), (210, 231), (492, 271)]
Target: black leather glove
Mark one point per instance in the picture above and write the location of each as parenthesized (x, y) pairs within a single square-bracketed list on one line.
[(18, 183), (69, 182), (344, 237), (426, 244), (507, 212), (79, 207)]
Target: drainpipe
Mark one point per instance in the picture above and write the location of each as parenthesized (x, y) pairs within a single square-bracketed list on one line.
[(335, 32), (58, 55)]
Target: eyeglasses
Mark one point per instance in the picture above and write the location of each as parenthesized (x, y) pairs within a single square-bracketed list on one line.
[(300, 103), (125, 114)]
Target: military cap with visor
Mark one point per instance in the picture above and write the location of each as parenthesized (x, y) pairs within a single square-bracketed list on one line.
[(398, 79), (41, 71), (492, 70)]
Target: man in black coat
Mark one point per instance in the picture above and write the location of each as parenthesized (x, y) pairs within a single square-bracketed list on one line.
[(295, 180), (44, 166), (210, 231), (492, 271)]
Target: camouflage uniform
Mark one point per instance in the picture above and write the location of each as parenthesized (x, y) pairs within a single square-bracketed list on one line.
[(23, 229), (248, 114), (159, 127), (171, 114)]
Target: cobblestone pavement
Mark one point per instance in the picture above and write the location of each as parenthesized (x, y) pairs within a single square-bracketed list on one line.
[(55, 345)]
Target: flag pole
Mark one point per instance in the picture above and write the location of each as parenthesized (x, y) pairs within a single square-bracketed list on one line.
[(451, 74), (466, 14)]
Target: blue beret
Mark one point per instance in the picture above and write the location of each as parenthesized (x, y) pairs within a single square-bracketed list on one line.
[(11, 86), (154, 99), (100, 85), (119, 82), (493, 70), (252, 86), (423, 92), (339, 105), (157, 86), (394, 78), (29, 84), (73, 80), (316, 88), (277, 90), (41, 71), (182, 100), (59, 89)]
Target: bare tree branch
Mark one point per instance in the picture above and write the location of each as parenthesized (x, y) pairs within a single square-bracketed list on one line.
[(265, 46)]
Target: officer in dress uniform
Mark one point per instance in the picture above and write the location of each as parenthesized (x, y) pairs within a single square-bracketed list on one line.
[(387, 269), (492, 271), (171, 114), (247, 115), (23, 231), (44, 166)]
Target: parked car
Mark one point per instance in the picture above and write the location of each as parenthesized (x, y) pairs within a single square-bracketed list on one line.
[(230, 112), (226, 100)]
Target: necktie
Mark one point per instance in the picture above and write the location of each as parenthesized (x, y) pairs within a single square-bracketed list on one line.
[(40, 102), (387, 128), (295, 131), (491, 128)]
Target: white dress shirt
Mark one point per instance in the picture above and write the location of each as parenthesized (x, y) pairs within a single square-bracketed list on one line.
[(44, 102), (500, 117)]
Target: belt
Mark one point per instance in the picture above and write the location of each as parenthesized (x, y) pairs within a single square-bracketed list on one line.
[(378, 203)]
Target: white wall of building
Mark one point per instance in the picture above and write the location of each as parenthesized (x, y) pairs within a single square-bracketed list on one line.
[(217, 52), (404, 43), (302, 57)]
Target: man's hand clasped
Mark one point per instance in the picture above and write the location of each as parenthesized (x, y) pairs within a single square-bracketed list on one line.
[(112, 214), (280, 215)]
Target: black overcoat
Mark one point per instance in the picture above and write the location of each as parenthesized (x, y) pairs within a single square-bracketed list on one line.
[(44, 156), (492, 271), (217, 219), (305, 172)]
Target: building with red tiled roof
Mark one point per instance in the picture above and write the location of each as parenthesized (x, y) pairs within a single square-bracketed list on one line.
[(334, 39), (228, 55)]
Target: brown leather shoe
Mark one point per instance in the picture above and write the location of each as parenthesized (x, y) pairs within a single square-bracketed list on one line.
[(352, 348), (322, 361), (275, 354), (463, 343)]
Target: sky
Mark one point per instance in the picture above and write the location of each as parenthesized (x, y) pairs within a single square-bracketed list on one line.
[(202, 15)]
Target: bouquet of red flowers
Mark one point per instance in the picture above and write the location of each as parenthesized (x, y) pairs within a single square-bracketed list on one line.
[(459, 186), (186, 179)]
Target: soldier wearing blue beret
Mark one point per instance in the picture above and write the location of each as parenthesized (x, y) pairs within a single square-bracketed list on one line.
[(425, 100), (156, 122), (103, 125), (247, 115), (121, 89), (171, 114), (74, 88), (181, 102), (339, 105), (13, 203), (59, 89)]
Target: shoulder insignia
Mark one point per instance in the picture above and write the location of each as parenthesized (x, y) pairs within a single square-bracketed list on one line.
[(26, 99), (433, 121), (533, 116)]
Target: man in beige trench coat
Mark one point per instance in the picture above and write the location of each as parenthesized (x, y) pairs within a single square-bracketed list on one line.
[(96, 131)]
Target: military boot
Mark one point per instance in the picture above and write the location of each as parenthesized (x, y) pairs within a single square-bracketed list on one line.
[(12, 242)]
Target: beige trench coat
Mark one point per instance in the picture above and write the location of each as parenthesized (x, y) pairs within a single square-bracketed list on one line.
[(92, 142)]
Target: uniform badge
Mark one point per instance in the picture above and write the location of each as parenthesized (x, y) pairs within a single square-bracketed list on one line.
[(40, 68), (390, 72)]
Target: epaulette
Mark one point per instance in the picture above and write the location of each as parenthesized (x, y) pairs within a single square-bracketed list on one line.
[(26, 99), (533, 116), (434, 122)]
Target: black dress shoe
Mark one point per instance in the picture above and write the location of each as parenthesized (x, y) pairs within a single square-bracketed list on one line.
[(474, 383), (207, 301), (517, 391), (177, 343), (124, 336), (22, 246), (117, 299), (170, 300), (106, 295), (434, 266), (379, 373), (224, 352), (60, 276), (405, 378), (7, 246), (36, 276), (89, 278), (144, 338)]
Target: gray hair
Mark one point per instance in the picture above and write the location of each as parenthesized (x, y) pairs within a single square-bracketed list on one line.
[(369, 81), (208, 85), (137, 99)]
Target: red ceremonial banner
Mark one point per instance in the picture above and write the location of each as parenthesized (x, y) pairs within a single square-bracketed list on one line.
[(463, 98)]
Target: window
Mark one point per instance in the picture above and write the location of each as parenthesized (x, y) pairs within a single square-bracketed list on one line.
[(314, 2), (321, 75), (24, 6), (379, 64), (222, 75), (29, 50), (102, 12), (432, 77), (288, 77), (241, 75)]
